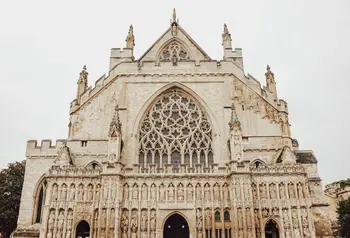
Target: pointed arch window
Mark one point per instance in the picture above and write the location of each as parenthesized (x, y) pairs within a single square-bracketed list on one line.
[(174, 51), (176, 129), (39, 200)]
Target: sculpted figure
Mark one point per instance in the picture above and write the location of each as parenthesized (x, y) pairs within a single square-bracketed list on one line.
[(72, 193), (282, 192), (64, 192), (135, 192), (133, 223), (238, 192), (291, 190), (153, 192), (54, 192), (153, 224), (113, 191), (105, 191), (70, 220), (81, 192), (171, 192), (288, 235), (265, 212), (90, 192), (162, 192), (257, 223), (307, 233), (246, 193), (216, 192), (144, 221), (300, 191), (285, 218), (248, 219), (190, 193), (51, 220), (97, 192), (103, 218), (273, 191), (295, 218), (240, 218), (207, 196), (199, 220), (112, 218), (125, 224), (208, 219), (60, 221), (226, 193), (262, 190), (144, 192), (199, 193), (304, 220), (180, 193)]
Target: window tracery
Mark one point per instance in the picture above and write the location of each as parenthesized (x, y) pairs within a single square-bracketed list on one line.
[(175, 131), (174, 51)]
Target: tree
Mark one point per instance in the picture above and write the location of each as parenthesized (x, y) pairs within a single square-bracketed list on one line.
[(343, 211), (11, 183)]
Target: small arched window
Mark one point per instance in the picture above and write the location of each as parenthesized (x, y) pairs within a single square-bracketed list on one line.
[(217, 216), (226, 216), (39, 198)]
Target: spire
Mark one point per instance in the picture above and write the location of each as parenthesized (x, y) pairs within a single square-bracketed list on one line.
[(226, 38), (82, 83), (115, 126), (271, 83), (130, 39), (234, 122), (173, 23)]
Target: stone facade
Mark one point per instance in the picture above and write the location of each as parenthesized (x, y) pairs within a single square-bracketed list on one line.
[(174, 132)]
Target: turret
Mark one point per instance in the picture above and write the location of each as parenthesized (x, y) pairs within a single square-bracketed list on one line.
[(235, 136), (82, 84), (271, 83), (229, 54), (119, 55)]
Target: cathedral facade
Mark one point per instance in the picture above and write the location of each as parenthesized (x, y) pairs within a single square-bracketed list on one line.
[(173, 144)]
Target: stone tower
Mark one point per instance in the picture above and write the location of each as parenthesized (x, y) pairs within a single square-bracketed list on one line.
[(173, 142)]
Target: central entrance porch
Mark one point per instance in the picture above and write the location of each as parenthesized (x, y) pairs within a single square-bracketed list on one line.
[(176, 226)]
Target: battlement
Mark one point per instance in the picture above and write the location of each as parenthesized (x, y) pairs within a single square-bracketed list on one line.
[(47, 149), (119, 55)]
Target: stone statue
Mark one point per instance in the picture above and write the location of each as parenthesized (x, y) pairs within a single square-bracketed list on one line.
[(171, 192), (273, 191), (135, 193), (63, 195), (103, 218), (113, 191), (198, 193), (248, 219), (105, 191), (304, 220), (282, 192), (216, 192), (180, 193), (112, 218), (265, 212), (291, 190), (144, 192), (144, 221), (126, 192), (208, 219), (90, 192), (124, 223), (199, 217), (257, 223), (263, 191), (300, 191), (226, 193), (161, 192), (207, 196), (51, 220), (153, 192), (133, 222), (54, 192), (295, 218), (238, 192), (246, 193), (190, 193), (69, 221), (306, 233), (287, 233), (98, 192), (60, 221), (153, 225), (285, 218), (275, 211), (255, 194), (240, 218)]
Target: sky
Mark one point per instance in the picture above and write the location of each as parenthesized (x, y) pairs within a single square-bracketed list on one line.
[(44, 45)]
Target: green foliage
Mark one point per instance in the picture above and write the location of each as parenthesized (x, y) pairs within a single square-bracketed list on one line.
[(11, 182), (343, 211)]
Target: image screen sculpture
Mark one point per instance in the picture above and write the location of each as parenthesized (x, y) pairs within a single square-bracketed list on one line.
[(175, 130)]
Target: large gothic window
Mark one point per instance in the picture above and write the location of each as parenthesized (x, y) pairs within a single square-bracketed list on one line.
[(175, 130)]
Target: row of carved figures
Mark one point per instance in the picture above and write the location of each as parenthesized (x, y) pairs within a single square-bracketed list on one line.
[(281, 190), (147, 223), (60, 223), (180, 192)]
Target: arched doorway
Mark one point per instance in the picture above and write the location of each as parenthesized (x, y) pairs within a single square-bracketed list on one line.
[(83, 230), (271, 230), (176, 227)]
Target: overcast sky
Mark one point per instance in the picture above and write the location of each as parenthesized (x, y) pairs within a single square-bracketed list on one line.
[(44, 44)]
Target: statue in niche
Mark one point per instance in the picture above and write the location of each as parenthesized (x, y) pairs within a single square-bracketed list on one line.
[(105, 191), (133, 222), (112, 218), (287, 234), (81, 192), (282, 192), (273, 191), (226, 193), (51, 220), (255, 194), (72, 192), (285, 218), (257, 223), (240, 218), (262, 190), (238, 192), (153, 192), (300, 191), (126, 192), (144, 192), (248, 219), (208, 219), (265, 212), (216, 192), (114, 190), (171, 192), (144, 221), (190, 193), (60, 221), (135, 193), (291, 190), (69, 223), (304, 220), (103, 218), (162, 192), (90, 192), (125, 224), (207, 196), (180, 193), (153, 224), (246, 193), (96, 219), (63, 195), (198, 193), (275, 211), (295, 218), (54, 192), (97, 192), (306, 232), (199, 217)]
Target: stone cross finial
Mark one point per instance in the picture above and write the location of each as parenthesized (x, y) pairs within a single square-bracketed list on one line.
[(83, 75), (174, 15), (115, 126), (270, 77), (226, 38), (130, 39), (234, 122), (226, 29)]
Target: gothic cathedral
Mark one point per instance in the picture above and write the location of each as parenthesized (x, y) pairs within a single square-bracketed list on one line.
[(173, 144)]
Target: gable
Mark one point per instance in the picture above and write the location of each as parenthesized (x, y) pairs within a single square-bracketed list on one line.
[(175, 37)]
